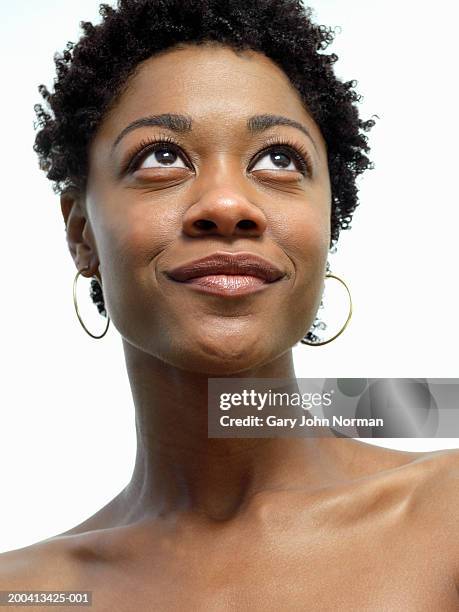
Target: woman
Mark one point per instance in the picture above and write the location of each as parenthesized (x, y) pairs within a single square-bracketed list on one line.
[(179, 132)]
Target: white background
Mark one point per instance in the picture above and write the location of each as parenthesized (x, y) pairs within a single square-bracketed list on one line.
[(66, 415)]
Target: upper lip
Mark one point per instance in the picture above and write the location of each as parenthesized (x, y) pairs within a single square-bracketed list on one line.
[(242, 263)]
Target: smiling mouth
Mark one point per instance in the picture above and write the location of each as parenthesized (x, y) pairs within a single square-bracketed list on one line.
[(227, 274)]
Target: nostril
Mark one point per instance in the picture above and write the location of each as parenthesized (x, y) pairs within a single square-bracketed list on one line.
[(246, 224), (204, 224)]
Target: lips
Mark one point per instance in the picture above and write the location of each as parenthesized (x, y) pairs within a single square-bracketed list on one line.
[(226, 263)]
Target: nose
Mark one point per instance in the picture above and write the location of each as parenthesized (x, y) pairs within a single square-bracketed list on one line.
[(224, 212)]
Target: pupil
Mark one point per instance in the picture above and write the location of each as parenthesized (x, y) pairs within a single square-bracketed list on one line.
[(165, 156), (282, 158)]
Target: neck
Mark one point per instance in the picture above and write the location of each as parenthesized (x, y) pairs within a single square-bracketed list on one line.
[(179, 469)]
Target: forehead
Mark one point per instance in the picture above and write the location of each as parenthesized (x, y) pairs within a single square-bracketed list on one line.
[(213, 84)]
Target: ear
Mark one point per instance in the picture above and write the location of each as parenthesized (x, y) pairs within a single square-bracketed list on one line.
[(80, 237)]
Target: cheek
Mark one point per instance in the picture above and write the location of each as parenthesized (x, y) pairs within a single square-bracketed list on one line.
[(130, 237), (305, 238)]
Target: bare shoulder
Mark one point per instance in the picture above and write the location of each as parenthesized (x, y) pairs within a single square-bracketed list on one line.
[(46, 565), (435, 501), (427, 483), (423, 489), (432, 479), (438, 489)]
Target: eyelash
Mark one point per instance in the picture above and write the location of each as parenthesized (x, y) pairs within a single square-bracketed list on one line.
[(299, 152)]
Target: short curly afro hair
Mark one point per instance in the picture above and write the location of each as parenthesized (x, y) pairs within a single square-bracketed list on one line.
[(94, 71)]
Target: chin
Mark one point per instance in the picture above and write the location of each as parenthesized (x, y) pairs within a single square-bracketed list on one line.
[(223, 358)]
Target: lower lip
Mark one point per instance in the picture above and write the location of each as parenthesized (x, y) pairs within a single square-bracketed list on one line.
[(227, 284)]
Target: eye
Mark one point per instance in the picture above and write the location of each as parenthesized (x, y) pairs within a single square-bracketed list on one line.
[(280, 158), (160, 156)]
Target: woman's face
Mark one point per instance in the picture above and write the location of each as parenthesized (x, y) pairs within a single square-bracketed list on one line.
[(210, 191)]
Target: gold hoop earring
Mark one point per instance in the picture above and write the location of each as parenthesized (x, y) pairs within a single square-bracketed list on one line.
[(303, 341), (78, 312)]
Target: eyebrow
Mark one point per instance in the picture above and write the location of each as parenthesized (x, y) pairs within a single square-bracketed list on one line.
[(181, 124), (259, 123)]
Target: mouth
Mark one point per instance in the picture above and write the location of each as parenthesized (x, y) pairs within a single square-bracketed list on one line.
[(227, 274)]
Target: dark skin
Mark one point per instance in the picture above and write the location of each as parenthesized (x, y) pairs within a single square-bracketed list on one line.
[(232, 524)]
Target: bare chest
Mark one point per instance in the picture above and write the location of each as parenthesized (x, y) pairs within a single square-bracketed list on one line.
[(344, 570)]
